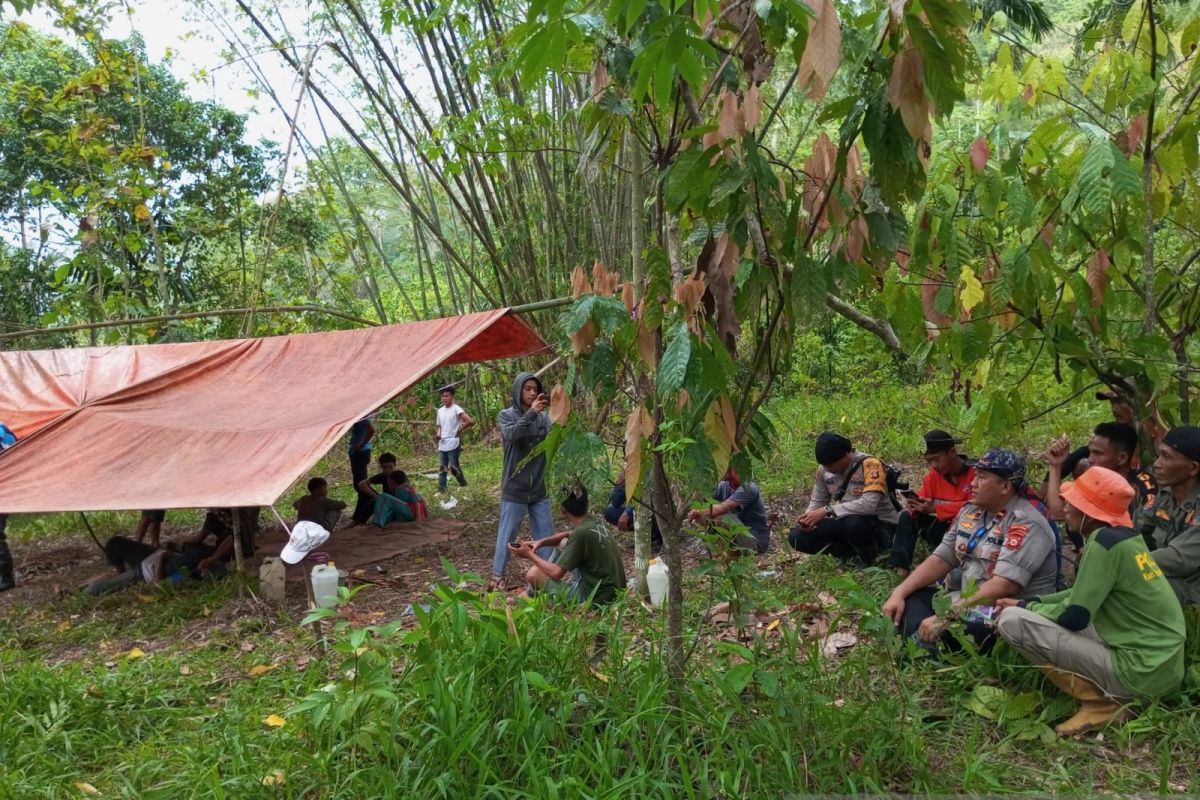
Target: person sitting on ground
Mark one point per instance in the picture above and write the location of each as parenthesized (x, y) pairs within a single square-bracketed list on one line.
[(743, 503), (398, 503), (151, 523), (588, 568), (845, 528), (1169, 524), (203, 559), (619, 514), (999, 541), (932, 508), (366, 491), (1076, 461), (1114, 446), (1119, 632), (317, 506), (136, 563)]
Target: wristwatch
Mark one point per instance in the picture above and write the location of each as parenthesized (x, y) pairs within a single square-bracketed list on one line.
[(829, 512)]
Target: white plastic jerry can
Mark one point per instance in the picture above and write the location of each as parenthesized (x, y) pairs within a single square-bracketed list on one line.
[(656, 580), (325, 585)]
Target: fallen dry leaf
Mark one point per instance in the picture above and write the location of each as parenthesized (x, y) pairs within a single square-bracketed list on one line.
[(836, 642), (274, 779), (275, 721), (185, 670), (827, 599), (261, 669), (247, 646), (62, 627), (87, 788), (136, 652), (145, 598)]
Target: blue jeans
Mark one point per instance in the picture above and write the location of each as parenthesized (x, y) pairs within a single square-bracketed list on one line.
[(448, 462), (511, 515)]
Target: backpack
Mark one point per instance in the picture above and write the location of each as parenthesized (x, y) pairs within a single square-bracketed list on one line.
[(891, 474)]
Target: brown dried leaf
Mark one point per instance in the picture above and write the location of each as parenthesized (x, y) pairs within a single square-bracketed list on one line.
[(823, 52), (752, 108), (627, 296), (979, 153), (906, 90), (729, 118), (583, 339), (1047, 234), (600, 79), (855, 179), (1097, 275), (579, 282), (560, 405), (646, 346), (1137, 129), (857, 236), (836, 642), (639, 426), (690, 291), (818, 169), (726, 257)]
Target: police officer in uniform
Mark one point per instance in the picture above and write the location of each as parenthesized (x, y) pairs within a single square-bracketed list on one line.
[(851, 512), (1001, 543), (1169, 524)]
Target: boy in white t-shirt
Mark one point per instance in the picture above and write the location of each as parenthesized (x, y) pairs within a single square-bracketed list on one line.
[(451, 422)]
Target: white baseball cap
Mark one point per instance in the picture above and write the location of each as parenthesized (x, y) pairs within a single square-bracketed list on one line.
[(303, 539)]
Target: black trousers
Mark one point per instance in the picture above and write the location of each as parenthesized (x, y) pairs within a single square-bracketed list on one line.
[(843, 537), (920, 605), (931, 530), (360, 461)]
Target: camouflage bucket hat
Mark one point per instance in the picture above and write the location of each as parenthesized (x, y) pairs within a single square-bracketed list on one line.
[(1004, 463)]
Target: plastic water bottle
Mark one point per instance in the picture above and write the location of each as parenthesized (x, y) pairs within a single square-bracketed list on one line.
[(271, 577), (325, 585), (656, 580)]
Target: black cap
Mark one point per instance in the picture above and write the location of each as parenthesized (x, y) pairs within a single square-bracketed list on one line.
[(832, 446), (939, 441), (575, 500), (1185, 439)]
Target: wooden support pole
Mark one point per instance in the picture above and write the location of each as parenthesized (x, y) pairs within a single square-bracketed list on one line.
[(239, 563)]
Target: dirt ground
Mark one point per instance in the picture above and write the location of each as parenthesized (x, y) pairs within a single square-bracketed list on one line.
[(51, 569)]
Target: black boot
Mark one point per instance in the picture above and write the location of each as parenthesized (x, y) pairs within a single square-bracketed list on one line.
[(7, 581)]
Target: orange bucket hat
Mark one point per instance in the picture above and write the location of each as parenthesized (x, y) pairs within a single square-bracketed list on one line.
[(1101, 494)]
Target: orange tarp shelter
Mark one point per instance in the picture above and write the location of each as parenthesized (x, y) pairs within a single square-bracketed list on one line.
[(224, 423)]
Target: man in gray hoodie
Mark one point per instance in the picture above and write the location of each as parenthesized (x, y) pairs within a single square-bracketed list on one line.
[(523, 425)]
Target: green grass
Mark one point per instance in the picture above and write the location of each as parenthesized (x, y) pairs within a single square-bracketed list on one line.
[(453, 705), (457, 707)]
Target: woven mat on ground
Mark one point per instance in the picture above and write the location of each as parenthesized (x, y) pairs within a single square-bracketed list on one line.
[(353, 547)]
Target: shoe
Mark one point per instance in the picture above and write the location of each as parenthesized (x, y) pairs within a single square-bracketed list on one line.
[(7, 581), (1096, 708)]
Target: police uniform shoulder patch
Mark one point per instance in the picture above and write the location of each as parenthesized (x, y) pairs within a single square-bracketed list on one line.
[(874, 477), (1015, 535)]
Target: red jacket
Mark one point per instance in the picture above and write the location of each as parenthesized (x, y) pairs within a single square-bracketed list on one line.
[(938, 487)]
